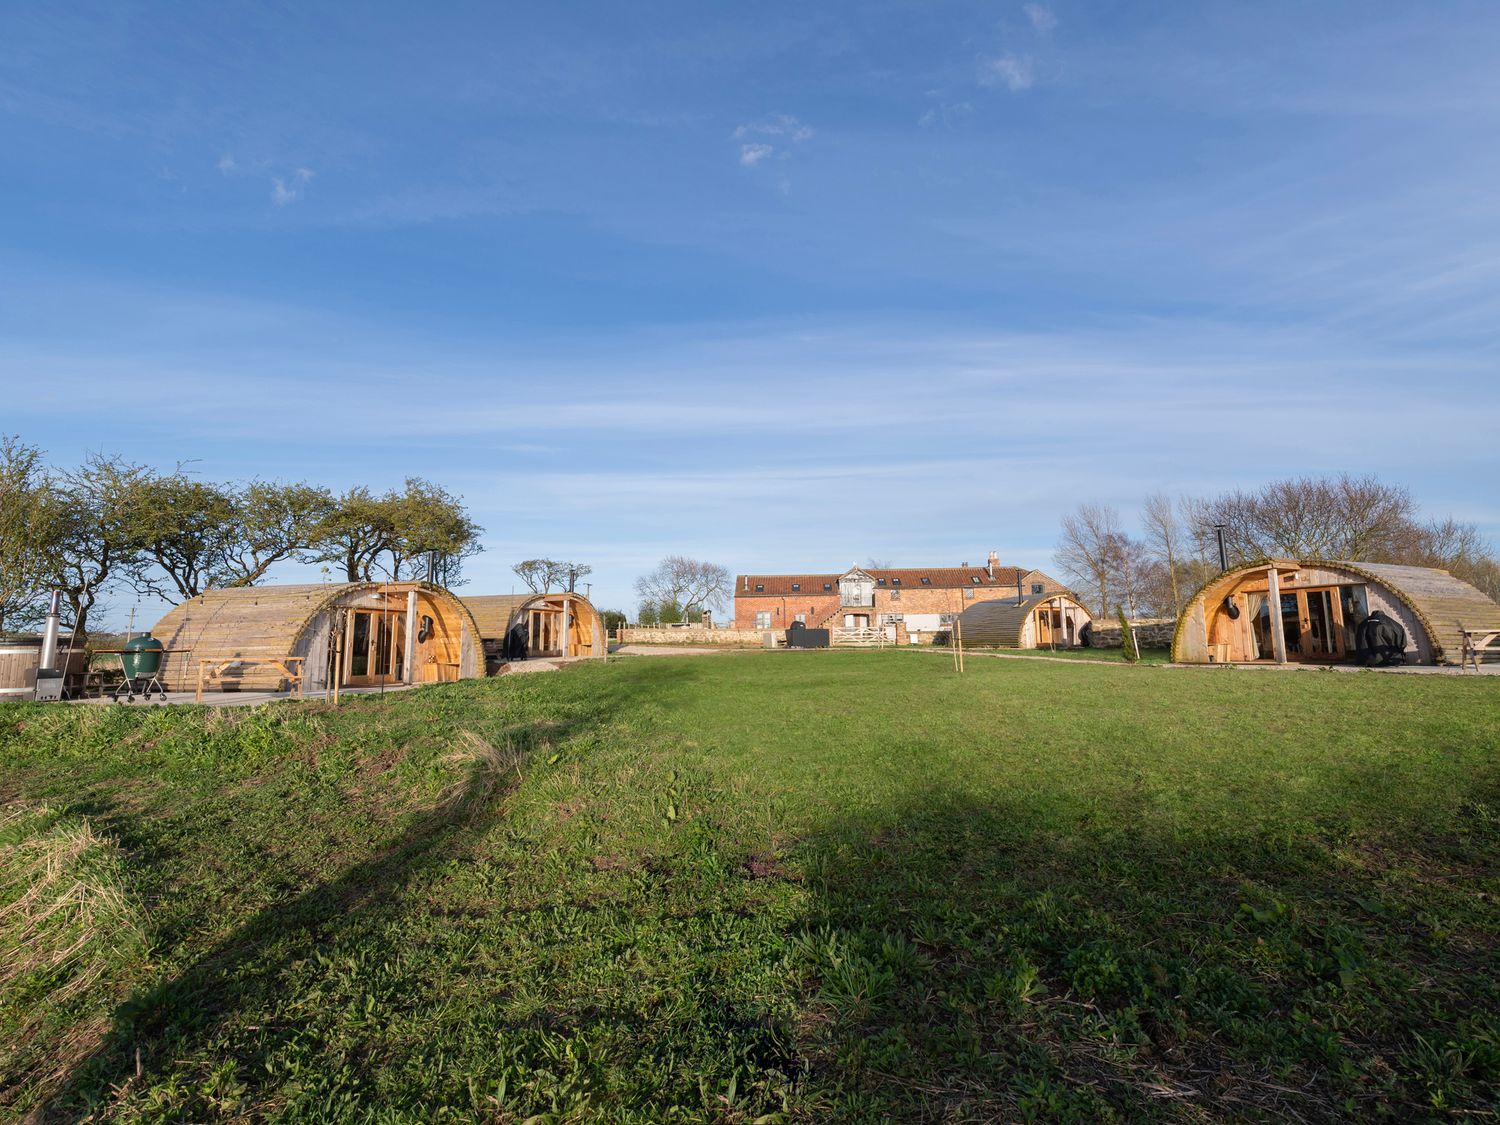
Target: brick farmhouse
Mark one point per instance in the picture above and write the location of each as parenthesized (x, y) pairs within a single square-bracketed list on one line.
[(914, 602)]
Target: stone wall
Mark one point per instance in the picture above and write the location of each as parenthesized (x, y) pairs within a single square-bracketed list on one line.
[(692, 635), (1155, 633)]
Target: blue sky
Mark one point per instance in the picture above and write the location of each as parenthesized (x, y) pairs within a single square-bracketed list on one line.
[(778, 285)]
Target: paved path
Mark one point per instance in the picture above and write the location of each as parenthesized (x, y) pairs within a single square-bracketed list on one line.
[(678, 650), (237, 698)]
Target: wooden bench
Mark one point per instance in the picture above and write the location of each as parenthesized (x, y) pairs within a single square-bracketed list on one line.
[(1478, 643), (290, 668)]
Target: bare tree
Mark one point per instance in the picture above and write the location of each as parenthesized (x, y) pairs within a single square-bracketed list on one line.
[(686, 583), (1344, 517), (1164, 541), (1096, 553)]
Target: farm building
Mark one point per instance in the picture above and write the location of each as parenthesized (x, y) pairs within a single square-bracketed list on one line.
[(911, 603), (1285, 611), (354, 634), (1047, 620), (521, 626)]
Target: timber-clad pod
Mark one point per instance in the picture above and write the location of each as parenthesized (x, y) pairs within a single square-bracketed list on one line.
[(1316, 611), (522, 626), (1048, 620), (358, 634)]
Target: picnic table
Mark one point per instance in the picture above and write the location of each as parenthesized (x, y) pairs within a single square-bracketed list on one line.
[(1477, 643), (289, 666)]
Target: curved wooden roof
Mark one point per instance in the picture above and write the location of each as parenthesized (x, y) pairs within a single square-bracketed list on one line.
[(1441, 602), (1000, 623), (264, 621), (1438, 600), (494, 613), (248, 620)]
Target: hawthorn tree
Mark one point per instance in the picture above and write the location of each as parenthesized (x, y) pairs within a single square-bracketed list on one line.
[(29, 528)]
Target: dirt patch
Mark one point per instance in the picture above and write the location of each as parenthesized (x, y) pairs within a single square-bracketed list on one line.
[(376, 764), (767, 866), (609, 862)]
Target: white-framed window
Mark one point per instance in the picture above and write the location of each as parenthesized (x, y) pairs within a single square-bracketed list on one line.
[(892, 618), (969, 593), (763, 619), (802, 617), (945, 619), (1037, 588)]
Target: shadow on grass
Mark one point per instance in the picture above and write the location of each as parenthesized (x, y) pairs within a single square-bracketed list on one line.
[(994, 960), (243, 972)]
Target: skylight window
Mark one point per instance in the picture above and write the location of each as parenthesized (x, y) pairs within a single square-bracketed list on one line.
[(796, 587), (827, 586), (895, 581), (760, 587), (927, 581), (974, 578), (880, 581)]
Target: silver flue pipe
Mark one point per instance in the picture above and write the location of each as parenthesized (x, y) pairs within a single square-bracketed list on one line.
[(48, 661)]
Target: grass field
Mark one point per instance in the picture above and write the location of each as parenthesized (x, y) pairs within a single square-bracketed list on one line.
[(762, 887)]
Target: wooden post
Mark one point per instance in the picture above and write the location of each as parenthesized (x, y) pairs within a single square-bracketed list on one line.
[(409, 672), (958, 631), (198, 696), (1278, 629)]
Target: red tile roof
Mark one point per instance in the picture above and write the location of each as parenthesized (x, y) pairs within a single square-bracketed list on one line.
[(939, 578)]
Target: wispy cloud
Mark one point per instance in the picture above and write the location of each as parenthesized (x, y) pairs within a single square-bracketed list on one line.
[(1041, 18), (782, 125), (226, 164), (753, 154), (1014, 72), (289, 189), (773, 137), (948, 115)]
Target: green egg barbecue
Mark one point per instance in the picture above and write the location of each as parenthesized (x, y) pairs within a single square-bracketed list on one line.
[(142, 656)]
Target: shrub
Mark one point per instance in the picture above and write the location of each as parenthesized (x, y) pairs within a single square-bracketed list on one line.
[(1127, 637)]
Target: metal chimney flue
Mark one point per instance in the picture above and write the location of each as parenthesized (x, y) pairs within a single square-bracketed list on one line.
[(48, 660)]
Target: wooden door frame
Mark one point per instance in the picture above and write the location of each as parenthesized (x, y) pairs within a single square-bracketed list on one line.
[(387, 676)]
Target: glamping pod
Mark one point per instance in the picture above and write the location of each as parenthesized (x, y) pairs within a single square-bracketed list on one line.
[(356, 634), (1050, 620), (520, 626), (1286, 611)]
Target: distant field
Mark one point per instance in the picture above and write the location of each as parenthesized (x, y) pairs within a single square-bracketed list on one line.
[(762, 887)]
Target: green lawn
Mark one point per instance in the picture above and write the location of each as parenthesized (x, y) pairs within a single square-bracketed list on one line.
[(762, 887)]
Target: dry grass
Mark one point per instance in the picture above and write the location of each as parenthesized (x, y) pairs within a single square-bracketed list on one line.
[(483, 773), (66, 923)]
